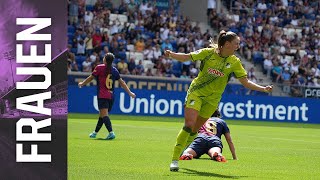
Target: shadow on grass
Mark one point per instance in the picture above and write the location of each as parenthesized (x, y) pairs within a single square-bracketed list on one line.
[(210, 174), (103, 139), (206, 158)]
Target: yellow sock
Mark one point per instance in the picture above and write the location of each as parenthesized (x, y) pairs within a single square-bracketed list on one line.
[(181, 142)]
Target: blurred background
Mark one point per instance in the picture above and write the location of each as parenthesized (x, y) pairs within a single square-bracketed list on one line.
[(280, 42)]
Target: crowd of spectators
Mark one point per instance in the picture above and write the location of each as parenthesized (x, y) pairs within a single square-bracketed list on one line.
[(282, 36), (149, 30)]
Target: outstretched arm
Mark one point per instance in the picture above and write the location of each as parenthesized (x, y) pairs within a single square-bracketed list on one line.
[(86, 81), (178, 56), (231, 146), (253, 86), (126, 88)]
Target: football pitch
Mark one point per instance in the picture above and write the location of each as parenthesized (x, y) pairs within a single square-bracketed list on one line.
[(143, 147)]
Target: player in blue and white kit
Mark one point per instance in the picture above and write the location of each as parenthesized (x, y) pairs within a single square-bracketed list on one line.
[(209, 142)]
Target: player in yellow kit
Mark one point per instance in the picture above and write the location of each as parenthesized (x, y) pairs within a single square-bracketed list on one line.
[(204, 93)]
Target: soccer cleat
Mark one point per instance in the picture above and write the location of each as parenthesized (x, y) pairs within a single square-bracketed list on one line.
[(223, 159), (174, 166), (186, 156), (218, 157), (93, 135), (111, 136)]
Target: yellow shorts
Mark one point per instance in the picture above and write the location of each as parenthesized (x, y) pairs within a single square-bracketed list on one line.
[(205, 107)]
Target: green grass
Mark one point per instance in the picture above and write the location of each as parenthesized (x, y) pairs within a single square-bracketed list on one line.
[(143, 148)]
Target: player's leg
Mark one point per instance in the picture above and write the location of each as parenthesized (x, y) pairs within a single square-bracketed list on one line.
[(216, 155), (207, 109), (188, 154), (98, 127), (182, 138), (194, 130), (192, 107), (199, 122), (205, 112), (107, 121), (101, 107), (196, 149), (215, 152)]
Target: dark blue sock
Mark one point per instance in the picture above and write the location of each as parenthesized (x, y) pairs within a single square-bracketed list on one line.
[(107, 123), (99, 125)]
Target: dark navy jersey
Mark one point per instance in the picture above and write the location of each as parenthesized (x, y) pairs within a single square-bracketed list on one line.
[(214, 127), (105, 80)]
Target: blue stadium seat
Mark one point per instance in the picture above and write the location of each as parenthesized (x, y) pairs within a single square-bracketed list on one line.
[(310, 16), (71, 29), (233, 29), (70, 35), (116, 60), (74, 50), (83, 58), (80, 66), (257, 58), (103, 44), (152, 35), (122, 55), (70, 41), (242, 29), (83, 36), (291, 3), (176, 68), (174, 45), (80, 59), (89, 7)]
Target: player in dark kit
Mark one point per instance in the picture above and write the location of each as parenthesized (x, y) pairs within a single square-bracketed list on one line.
[(106, 75), (209, 140)]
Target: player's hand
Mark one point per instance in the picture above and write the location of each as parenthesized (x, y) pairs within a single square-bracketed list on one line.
[(80, 84), (268, 88), (133, 95), (167, 53)]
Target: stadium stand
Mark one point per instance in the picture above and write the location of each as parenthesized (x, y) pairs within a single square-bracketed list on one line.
[(281, 36), (135, 30), (276, 35)]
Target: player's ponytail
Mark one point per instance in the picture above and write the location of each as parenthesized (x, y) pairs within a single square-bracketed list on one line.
[(225, 36), (212, 43), (108, 59)]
